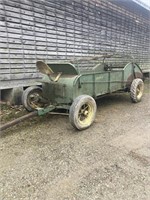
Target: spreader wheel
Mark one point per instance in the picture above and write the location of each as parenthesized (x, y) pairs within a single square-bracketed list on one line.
[(136, 90), (82, 112), (31, 98)]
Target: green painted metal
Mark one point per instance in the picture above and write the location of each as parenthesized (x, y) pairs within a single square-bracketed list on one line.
[(64, 68), (96, 82), (43, 111)]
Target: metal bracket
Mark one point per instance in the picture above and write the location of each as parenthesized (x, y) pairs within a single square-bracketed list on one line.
[(42, 111), (133, 71)]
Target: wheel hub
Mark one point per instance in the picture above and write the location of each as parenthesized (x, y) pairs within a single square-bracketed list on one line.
[(35, 97), (86, 112)]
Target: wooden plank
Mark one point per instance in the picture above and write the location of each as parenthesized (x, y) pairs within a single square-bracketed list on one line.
[(18, 76), (18, 65), (107, 19), (18, 61), (117, 11), (3, 34), (67, 26), (17, 71), (50, 30)]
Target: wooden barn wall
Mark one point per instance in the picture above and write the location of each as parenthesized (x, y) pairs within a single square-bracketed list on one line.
[(62, 29)]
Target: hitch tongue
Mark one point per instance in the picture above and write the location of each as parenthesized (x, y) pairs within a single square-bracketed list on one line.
[(18, 120)]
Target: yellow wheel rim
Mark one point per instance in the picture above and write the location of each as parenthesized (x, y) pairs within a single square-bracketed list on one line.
[(85, 114), (139, 91)]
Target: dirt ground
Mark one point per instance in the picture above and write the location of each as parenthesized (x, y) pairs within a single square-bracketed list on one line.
[(45, 158)]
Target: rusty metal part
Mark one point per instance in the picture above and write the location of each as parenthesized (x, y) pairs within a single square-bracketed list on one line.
[(20, 119), (17, 121), (131, 78), (44, 68), (58, 113)]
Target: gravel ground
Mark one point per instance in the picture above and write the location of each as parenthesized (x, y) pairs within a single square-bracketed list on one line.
[(45, 158)]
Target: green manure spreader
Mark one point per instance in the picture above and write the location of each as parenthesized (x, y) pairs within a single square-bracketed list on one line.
[(75, 85)]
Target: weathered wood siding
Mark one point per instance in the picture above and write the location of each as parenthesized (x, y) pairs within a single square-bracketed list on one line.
[(62, 29)]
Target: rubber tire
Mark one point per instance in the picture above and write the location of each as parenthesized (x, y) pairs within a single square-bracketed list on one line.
[(135, 98), (75, 108), (26, 94)]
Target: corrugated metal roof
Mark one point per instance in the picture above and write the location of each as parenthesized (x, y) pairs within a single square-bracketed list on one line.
[(142, 4)]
